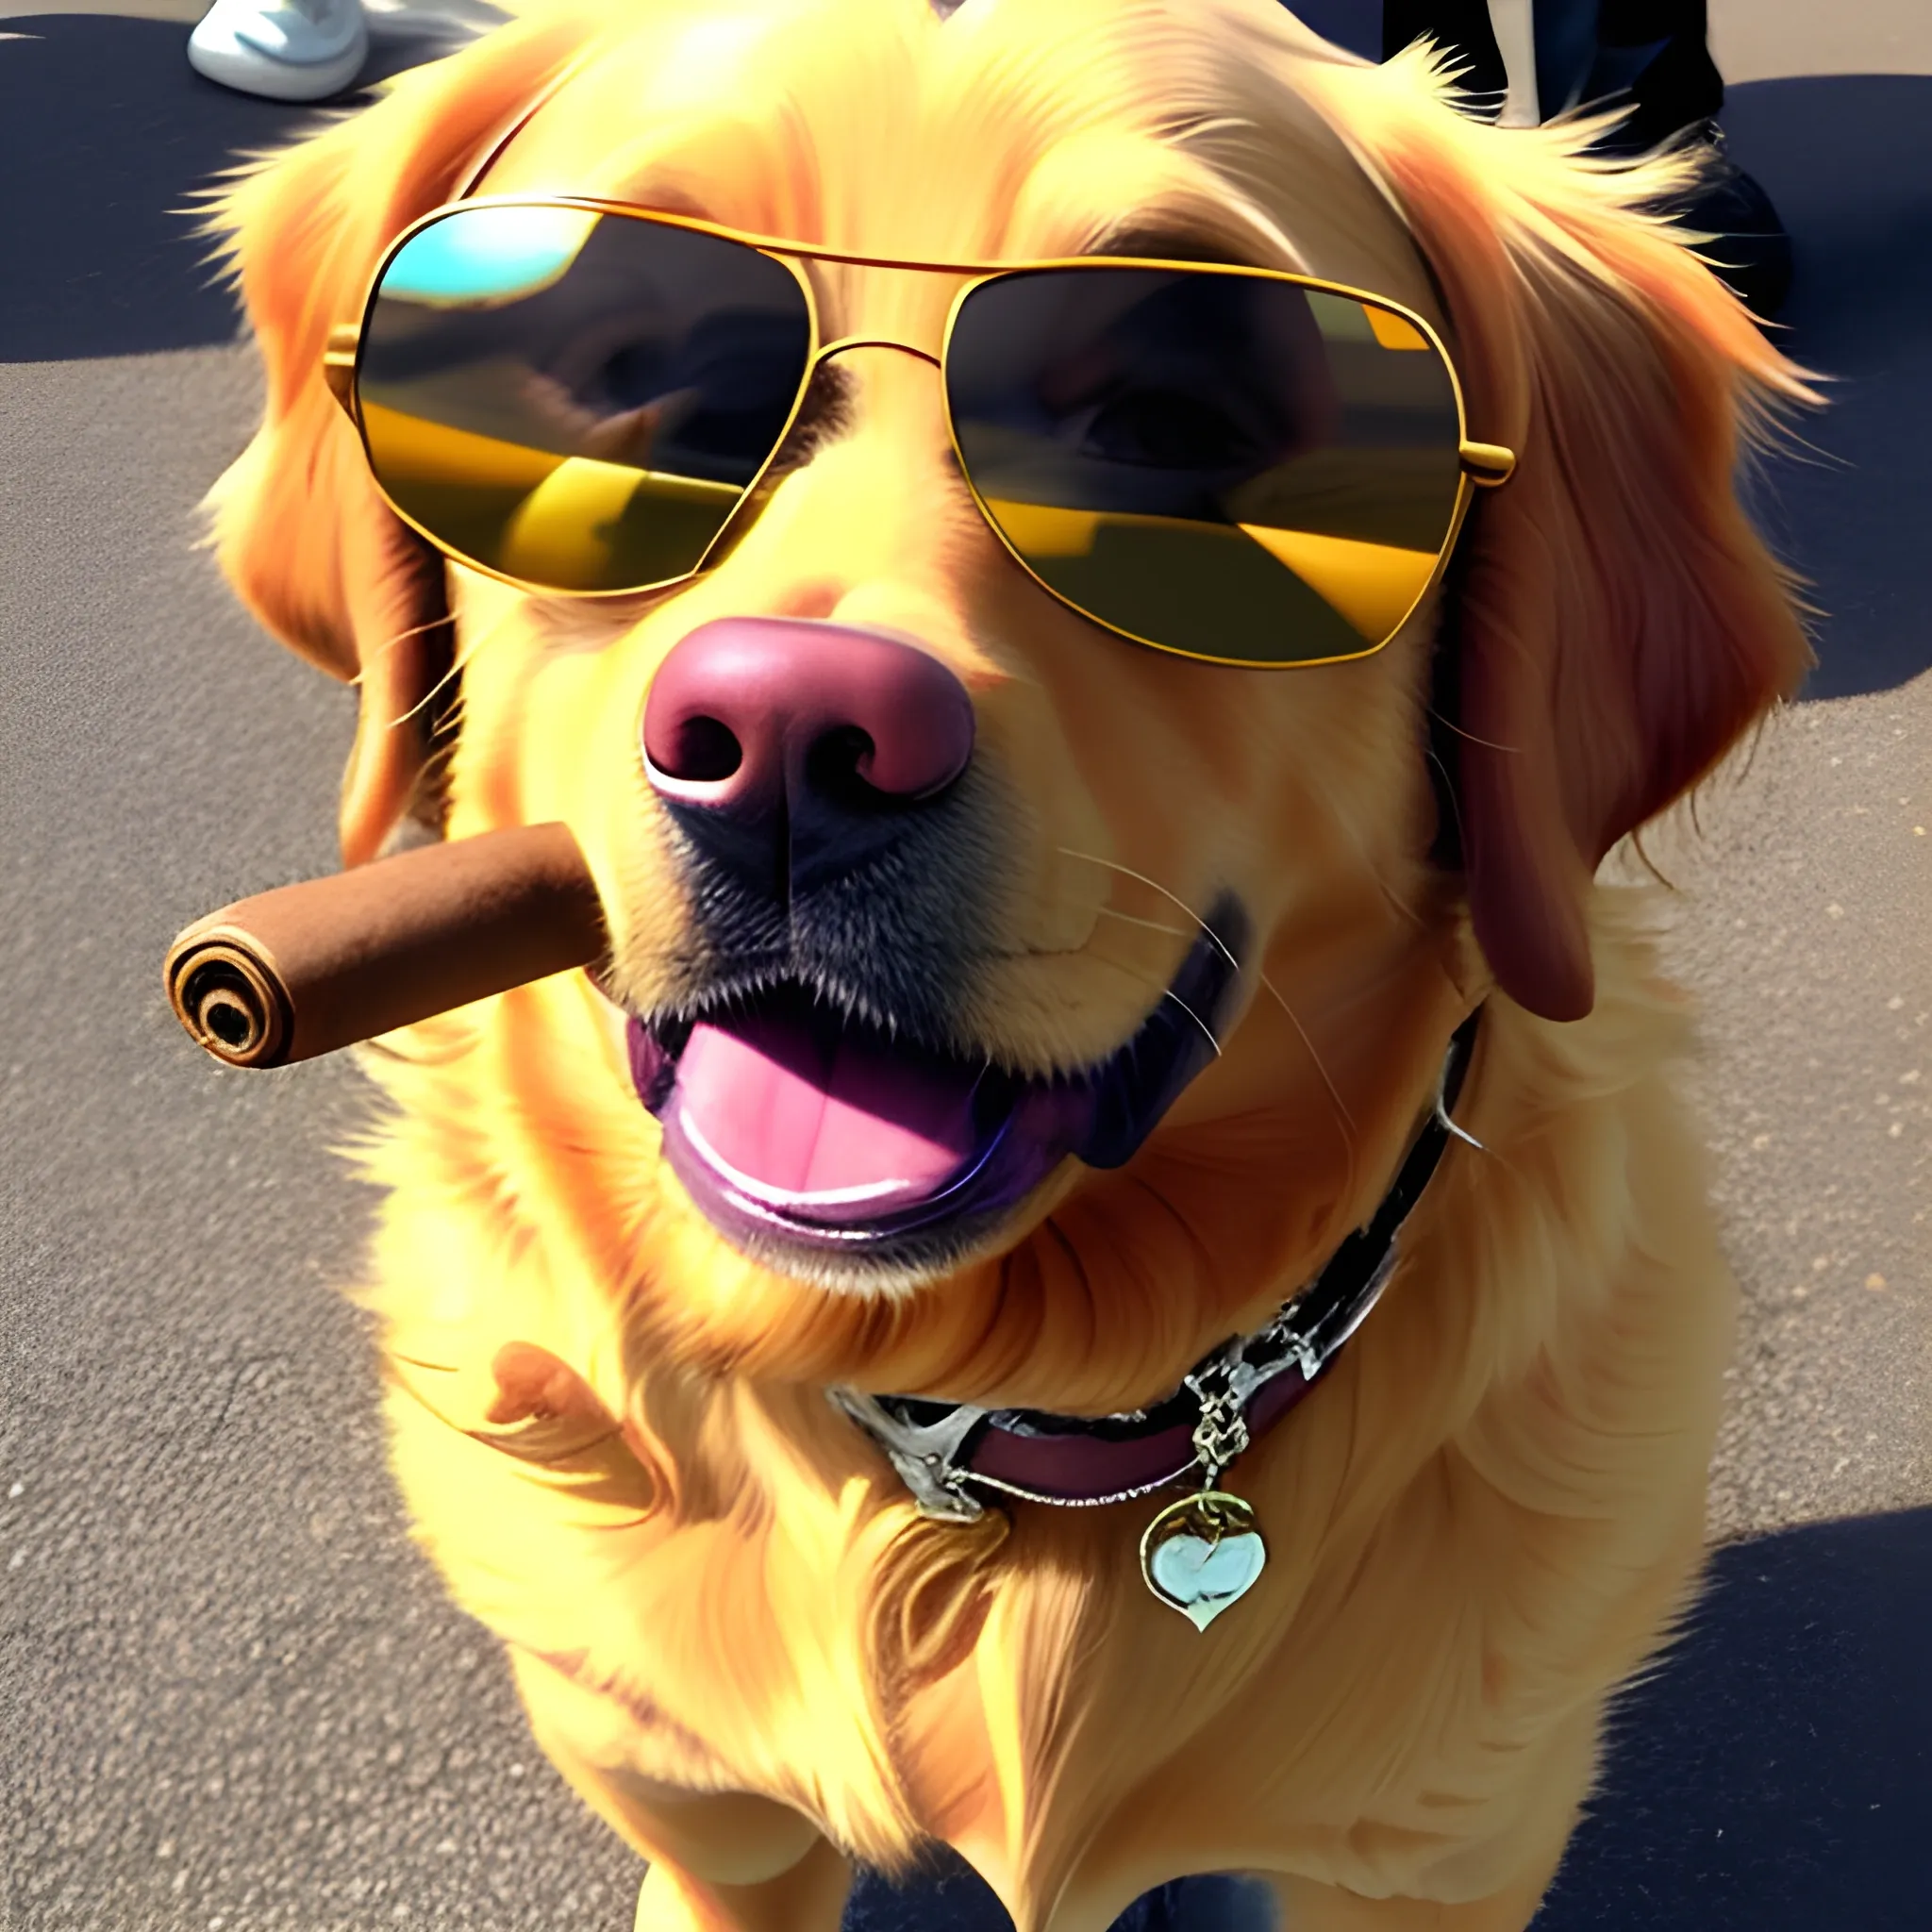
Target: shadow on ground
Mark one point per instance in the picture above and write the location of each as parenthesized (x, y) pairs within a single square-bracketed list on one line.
[(1776, 1774), (101, 258)]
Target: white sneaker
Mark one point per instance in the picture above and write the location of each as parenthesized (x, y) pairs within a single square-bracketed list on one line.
[(286, 50)]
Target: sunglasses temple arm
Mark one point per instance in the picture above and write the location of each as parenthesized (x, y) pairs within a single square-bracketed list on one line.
[(339, 365), (1487, 464)]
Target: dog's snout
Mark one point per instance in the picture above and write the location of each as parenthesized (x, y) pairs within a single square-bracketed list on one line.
[(792, 722)]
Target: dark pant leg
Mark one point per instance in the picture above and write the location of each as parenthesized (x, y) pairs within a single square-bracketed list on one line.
[(1656, 49), (1462, 26), (1651, 52)]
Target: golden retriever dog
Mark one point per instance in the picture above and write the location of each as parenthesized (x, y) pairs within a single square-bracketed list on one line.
[(609, 1337)]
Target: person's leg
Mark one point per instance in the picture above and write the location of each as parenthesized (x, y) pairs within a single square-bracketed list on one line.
[(1462, 26), (1652, 52), (1653, 57), (1650, 57), (1655, 52)]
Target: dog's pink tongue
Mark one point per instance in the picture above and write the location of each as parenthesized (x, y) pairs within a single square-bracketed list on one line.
[(827, 1123)]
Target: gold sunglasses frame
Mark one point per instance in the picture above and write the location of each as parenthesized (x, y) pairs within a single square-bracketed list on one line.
[(1484, 465)]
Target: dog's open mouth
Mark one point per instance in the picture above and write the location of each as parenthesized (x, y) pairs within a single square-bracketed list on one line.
[(797, 1128)]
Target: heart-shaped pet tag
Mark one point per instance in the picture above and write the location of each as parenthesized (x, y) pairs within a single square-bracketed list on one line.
[(1202, 1554)]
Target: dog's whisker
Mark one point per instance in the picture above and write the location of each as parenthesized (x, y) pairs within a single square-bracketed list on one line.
[(401, 636), (1448, 791), (1166, 992), (391, 643), (1178, 932), (1487, 743), (459, 662), (1340, 1105), (1334, 1092), (1181, 933), (1155, 885), (1396, 902)]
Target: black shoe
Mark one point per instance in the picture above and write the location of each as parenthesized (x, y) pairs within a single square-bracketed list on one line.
[(1748, 247)]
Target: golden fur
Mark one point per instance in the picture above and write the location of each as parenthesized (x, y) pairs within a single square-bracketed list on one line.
[(733, 1633)]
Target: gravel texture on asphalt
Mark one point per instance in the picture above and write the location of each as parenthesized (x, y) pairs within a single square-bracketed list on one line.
[(230, 1690)]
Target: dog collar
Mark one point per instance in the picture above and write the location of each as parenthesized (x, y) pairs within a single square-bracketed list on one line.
[(946, 1452)]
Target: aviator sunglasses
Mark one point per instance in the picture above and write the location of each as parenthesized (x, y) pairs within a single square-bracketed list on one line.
[(1237, 465)]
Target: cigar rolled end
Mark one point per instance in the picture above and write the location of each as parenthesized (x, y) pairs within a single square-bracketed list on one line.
[(306, 969), (229, 997)]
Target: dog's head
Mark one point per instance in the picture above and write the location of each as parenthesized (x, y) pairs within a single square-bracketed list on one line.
[(933, 901)]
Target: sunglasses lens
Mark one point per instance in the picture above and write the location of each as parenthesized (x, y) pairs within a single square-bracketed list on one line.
[(576, 400), (1223, 465)]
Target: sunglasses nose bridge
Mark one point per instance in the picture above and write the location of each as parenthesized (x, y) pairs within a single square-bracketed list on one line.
[(845, 343), (902, 306)]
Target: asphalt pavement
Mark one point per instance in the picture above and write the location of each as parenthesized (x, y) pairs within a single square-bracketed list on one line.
[(231, 1695)]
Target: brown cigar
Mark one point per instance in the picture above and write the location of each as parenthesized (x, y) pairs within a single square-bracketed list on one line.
[(307, 969)]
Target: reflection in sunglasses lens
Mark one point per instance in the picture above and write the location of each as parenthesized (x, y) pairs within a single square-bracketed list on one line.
[(1225, 465), (572, 399)]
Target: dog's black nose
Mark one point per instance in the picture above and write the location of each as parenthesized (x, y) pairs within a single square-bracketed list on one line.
[(790, 748)]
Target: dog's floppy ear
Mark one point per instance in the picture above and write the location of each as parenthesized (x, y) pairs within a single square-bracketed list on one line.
[(300, 530), (1617, 625)]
